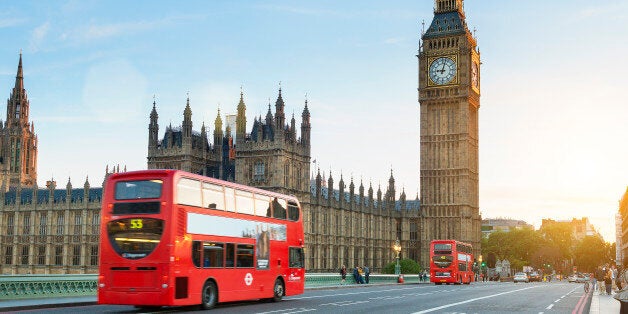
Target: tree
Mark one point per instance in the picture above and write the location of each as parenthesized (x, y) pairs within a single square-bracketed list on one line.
[(408, 266), (517, 246), (559, 235), (590, 253)]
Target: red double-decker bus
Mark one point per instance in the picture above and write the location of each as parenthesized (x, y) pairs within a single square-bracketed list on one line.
[(451, 261), (171, 238)]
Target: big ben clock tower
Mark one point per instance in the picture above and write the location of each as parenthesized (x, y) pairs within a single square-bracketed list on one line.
[(449, 98)]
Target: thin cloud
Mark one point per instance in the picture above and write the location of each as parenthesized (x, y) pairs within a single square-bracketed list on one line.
[(11, 21), (104, 31), (39, 34), (394, 41), (300, 10)]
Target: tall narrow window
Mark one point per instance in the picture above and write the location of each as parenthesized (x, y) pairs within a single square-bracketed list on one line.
[(95, 223), (58, 255), (60, 224), (10, 224), (26, 226), (43, 224), (8, 255), (78, 223), (286, 175), (76, 256), (259, 171), (93, 259), (41, 255), (25, 254)]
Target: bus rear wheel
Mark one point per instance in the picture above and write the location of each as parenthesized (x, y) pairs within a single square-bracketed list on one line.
[(278, 290), (209, 295)]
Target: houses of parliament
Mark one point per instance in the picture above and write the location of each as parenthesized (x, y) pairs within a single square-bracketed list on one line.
[(55, 230)]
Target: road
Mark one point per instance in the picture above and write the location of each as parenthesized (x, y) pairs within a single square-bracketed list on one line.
[(490, 297)]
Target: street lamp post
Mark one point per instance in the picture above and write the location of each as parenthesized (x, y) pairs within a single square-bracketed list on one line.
[(397, 249)]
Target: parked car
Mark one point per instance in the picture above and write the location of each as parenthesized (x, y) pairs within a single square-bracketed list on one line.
[(520, 277), (534, 276)]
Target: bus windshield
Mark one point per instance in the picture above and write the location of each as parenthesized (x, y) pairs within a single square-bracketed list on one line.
[(135, 238), (129, 190)]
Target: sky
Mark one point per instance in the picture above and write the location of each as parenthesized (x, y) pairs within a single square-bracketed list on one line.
[(553, 79)]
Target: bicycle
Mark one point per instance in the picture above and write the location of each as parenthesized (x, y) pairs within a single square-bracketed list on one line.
[(586, 287)]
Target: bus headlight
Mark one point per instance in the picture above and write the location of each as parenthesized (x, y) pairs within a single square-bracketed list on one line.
[(165, 285)]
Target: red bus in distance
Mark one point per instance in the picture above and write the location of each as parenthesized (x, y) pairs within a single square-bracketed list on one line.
[(172, 238), (451, 261)]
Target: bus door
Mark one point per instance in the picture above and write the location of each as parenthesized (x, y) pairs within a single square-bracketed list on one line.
[(295, 280)]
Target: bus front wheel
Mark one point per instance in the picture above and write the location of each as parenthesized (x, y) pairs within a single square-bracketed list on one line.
[(209, 295), (278, 290)]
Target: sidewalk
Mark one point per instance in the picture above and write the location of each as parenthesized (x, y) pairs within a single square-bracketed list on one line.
[(605, 304), (44, 303)]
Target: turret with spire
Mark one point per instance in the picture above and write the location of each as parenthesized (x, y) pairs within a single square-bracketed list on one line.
[(305, 126), (187, 121), (218, 135), (153, 128), (241, 119), (18, 163), (280, 116)]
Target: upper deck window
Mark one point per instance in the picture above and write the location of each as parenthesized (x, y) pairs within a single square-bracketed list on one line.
[(141, 189)]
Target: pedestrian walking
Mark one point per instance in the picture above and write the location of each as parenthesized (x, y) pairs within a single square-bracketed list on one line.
[(599, 275), (608, 281), (367, 272), (343, 274)]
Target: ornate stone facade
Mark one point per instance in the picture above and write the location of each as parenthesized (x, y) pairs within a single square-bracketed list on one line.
[(349, 227), (50, 231), (449, 97)]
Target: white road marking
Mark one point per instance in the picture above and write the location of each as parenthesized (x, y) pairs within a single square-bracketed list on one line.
[(350, 293), (472, 300), (344, 303), (550, 306), (288, 311)]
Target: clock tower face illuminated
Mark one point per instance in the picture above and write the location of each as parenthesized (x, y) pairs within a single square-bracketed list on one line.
[(442, 70), (449, 98)]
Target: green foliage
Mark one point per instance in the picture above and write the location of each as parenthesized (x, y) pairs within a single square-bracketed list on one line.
[(517, 246), (552, 245), (408, 266), (590, 253)]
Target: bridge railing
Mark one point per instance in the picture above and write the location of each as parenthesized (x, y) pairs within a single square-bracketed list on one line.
[(45, 286)]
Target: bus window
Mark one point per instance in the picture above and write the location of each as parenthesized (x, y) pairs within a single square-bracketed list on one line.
[(229, 255), (279, 208), (244, 203), (196, 253), (130, 190), (296, 257), (229, 199), (213, 196), (244, 257), (293, 212), (189, 192), (212, 254), (262, 205)]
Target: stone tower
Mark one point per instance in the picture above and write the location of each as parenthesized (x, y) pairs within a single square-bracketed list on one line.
[(449, 97), (272, 157), (182, 148), (18, 142)]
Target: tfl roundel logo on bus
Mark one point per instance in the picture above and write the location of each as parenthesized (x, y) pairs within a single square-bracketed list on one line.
[(248, 279)]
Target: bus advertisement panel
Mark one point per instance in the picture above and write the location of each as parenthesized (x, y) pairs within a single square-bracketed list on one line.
[(171, 238), (451, 261)]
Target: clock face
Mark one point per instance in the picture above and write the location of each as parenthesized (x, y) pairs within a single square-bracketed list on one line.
[(475, 82), (442, 70)]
